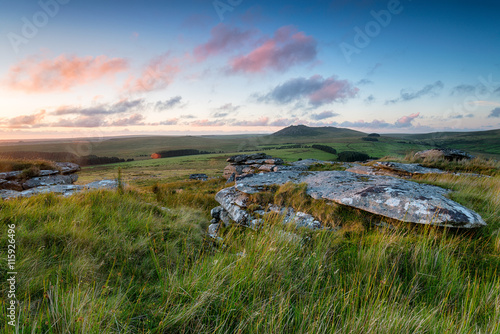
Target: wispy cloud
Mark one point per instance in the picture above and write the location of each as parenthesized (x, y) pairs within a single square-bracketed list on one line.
[(223, 38), (135, 119), (317, 90), (284, 122), (428, 90), (370, 99), (171, 121), (262, 121), (23, 121), (285, 49), (225, 110), (168, 104), (157, 74), (123, 106), (206, 122), (35, 75), (403, 122), (324, 115), (460, 116), (79, 122), (494, 113), (406, 121)]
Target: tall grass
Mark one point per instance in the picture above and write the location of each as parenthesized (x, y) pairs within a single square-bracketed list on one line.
[(9, 165), (109, 262), (475, 165)]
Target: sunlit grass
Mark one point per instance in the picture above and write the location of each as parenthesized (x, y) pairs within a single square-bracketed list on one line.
[(139, 261)]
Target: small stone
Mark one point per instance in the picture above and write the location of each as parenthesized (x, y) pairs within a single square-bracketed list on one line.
[(200, 177), (215, 212), (212, 230)]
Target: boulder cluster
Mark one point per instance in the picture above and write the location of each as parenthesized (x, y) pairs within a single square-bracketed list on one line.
[(384, 190), (22, 180), (29, 183), (243, 164)]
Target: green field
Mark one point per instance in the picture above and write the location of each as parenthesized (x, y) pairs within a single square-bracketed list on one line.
[(484, 144)]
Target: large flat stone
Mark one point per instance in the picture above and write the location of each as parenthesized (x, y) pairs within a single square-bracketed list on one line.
[(68, 167), (60, 189), (50, 180), (383, 195)]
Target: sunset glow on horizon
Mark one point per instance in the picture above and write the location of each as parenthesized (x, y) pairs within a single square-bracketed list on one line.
[(73, 69)]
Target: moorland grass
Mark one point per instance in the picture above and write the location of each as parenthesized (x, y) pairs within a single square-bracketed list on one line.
[(140, 262), (9, 165)]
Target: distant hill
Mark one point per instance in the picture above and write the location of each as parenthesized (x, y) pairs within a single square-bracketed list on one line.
[(477, 142), (306, 131)]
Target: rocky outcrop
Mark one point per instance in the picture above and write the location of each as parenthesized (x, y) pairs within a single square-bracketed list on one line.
[(446, 153), (21, 180), (19, 184), (382, 195), (233, 209), (67, 167), (50, 180), (60, 189), (243, 164), (393, 169)]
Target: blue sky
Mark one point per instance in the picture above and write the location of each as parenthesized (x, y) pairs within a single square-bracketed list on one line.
[(87, 68)]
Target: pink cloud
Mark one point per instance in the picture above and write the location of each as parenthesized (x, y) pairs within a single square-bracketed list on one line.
[(158, 74), (332, 90), (135, 119), (406, 120), (25, 121), (287, 48), (316, 89), (33, 75), (223, 38)]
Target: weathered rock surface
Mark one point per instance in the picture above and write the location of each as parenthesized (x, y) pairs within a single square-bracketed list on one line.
[(67, 167), (10, 175), (20, 184), (407, 168), (50, 180), (448, 154), (387, 196), (233, 201), (299, 219), (233, 205), (244, 164), (62, 189), (393, 169)]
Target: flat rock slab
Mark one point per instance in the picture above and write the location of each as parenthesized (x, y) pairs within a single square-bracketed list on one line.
[(67, 167), (393, 169), (60, 189), (408, 168), (382, 195)]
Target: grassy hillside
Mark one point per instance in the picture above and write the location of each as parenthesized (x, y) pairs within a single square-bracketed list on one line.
[(485, 143), (139, 261)]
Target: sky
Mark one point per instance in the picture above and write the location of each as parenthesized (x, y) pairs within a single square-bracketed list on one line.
[(74, 68)]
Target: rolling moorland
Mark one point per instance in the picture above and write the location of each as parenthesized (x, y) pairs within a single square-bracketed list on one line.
[(138, 259)]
